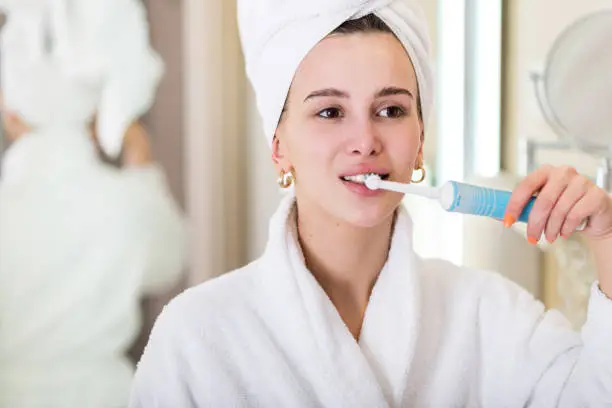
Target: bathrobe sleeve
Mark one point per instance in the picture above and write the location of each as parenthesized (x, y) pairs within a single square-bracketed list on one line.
[(534, 358), (158, 226)]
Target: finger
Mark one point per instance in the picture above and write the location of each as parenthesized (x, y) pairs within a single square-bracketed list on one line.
[(576, 189), (587, 206), (11, 118), (11, 124), (15, 125), (523, 193), (546, 201)]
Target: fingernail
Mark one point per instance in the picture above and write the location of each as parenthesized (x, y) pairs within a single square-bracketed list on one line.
[(509, 220), (532, 241)]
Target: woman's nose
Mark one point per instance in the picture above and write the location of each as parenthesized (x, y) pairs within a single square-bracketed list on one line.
[(365, 140)]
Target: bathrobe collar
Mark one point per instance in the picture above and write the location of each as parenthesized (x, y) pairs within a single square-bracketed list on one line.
[(372, 372)]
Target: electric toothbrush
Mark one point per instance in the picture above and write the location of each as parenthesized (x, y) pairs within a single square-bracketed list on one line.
[(459, 197)]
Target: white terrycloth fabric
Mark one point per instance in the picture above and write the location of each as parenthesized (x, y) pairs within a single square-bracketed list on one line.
[(434, 335), (80, 243), (276, 35), (87, 56)]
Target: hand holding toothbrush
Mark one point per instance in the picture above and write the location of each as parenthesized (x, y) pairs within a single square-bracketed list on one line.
[(564, 199), (551, 188)]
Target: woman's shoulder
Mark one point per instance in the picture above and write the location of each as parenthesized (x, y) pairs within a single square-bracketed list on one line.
[(218, 296), (228, 297), (190, 332)]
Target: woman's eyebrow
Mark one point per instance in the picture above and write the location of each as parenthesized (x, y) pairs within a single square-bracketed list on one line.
[(386, 91), (393, 90), (327, 92)]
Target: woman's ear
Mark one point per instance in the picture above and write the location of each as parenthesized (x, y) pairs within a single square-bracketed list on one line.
[(279, 157), (276, 153)]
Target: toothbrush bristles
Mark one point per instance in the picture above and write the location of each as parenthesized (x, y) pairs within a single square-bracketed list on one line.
[(372, 181)]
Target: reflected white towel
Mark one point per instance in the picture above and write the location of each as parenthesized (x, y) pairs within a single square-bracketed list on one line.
[(94, 56)]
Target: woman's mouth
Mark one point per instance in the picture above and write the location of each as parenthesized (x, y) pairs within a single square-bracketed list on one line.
[(356, 184)]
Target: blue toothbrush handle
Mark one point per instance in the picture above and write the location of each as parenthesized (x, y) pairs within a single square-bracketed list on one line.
[(469, 199)]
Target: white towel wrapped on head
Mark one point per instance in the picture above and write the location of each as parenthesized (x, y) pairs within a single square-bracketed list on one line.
[(276, 35)]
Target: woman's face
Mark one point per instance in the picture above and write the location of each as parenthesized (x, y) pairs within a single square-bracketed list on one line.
[(352, 110)]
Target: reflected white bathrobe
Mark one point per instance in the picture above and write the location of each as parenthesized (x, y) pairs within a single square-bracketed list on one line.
[(80, 243), (434, 335)]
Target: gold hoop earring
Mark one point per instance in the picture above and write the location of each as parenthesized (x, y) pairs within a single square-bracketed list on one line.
[(286, 178), (420, 179)]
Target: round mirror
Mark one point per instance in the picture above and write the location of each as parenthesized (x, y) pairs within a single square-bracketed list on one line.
[(575, 89)]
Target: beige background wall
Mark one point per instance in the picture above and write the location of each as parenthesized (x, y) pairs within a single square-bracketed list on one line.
[(214, 149)]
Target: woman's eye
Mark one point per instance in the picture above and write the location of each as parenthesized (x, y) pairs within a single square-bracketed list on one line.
[(330, 113), (392, 112)]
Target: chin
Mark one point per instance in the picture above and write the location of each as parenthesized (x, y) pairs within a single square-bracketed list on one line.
[(368, 215)]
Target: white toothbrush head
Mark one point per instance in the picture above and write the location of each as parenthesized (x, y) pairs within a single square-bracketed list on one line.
[(372, 181)]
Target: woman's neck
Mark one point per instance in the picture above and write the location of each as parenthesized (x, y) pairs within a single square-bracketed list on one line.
[(346, 260)]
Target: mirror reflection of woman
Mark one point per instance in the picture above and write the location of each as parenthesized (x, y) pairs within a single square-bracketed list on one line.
[(339, 311), (81, 241)]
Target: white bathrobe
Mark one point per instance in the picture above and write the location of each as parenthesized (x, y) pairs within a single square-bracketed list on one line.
[(434, 335)]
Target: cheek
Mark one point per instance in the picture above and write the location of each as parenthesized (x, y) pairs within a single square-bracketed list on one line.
[(404, 159), (312, 149), (318, 139), (403, 147)]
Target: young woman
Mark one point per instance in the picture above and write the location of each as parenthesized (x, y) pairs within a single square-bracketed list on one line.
[(339, 311)]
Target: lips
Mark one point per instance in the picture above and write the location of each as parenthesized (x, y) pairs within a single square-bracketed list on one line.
[(361, 189)]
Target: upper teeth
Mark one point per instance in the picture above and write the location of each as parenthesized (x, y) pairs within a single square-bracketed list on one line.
[(359, 178)]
